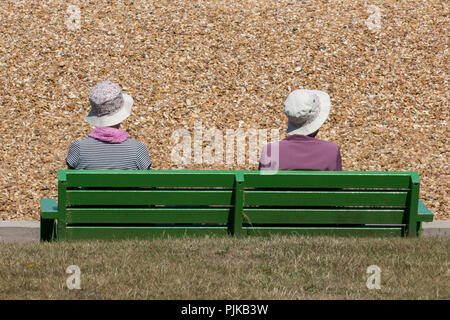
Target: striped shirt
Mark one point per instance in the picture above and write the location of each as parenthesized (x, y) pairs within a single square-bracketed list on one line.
[(93, 154)]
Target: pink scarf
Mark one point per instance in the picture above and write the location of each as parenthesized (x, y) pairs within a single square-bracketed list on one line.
[(108, 134)]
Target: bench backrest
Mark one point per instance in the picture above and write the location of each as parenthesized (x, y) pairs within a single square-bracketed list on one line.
[(138, 204)]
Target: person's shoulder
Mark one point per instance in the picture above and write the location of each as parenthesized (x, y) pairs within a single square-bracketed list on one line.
[(328, 144), (139, 146), (75, 144), (85, 141), (134, 143), (270, 145)]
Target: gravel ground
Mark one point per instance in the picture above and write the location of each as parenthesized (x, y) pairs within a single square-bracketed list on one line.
[(228, 64)]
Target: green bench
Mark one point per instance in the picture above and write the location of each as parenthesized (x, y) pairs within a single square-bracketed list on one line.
[(118, 204)]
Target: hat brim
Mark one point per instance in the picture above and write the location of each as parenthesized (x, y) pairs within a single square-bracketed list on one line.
[(112, 119), (325, 105)]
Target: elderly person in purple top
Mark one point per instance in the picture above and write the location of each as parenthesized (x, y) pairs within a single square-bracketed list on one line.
[(108, 147), (306, 111)]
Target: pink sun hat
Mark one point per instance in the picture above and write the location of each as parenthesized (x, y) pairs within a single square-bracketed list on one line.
[(109, 105), (306, 111)]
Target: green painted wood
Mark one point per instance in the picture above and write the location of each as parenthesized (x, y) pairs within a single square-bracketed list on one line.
[(49, 211), (326, 198), (237, 199), (47, 229), (62, 174), (150, 215), (238, 204), (424, 214), (148, 179), (323, 216), (327, 231), (119, 233), (329, 179), (225, 178), (148, 197), (413, 201), (419, 229), (61, 217)]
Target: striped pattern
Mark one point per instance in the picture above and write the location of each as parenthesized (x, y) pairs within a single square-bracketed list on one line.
[(93, 154)]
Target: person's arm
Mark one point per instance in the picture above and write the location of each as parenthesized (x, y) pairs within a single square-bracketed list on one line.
[(73, 155), (338, 160), (264, 160), (143, 159)]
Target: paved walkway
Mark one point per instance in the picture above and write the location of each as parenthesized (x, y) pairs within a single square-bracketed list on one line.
[(28, 231), (19, 231)]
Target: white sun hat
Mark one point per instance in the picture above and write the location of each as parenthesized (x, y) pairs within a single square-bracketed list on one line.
[(306, 110), (109, 105)]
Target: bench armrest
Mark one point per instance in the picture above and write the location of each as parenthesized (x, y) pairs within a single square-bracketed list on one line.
[(49, 209), (424, 213), (49, 212)]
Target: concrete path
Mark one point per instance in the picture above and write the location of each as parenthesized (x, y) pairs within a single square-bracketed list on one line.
[(437, 228), (19, 231), (28, 231)]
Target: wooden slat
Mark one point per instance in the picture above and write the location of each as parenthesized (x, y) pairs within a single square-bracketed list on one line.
[(151, 215), (329, 179), (326, 198), (323, 216), (224, 178), (149, 179), (116, 233), (147, 197), (327, 231)]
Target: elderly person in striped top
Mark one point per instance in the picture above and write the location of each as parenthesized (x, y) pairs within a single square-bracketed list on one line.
[(108, 147)]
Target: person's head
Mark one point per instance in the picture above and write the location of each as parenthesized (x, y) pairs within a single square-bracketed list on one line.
[(109, 105), (306, 111)]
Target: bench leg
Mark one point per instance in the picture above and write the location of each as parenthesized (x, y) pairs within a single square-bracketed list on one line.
[(48, 227), (419, 229)]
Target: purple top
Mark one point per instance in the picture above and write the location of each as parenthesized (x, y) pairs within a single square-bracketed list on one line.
[(298, 152)]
